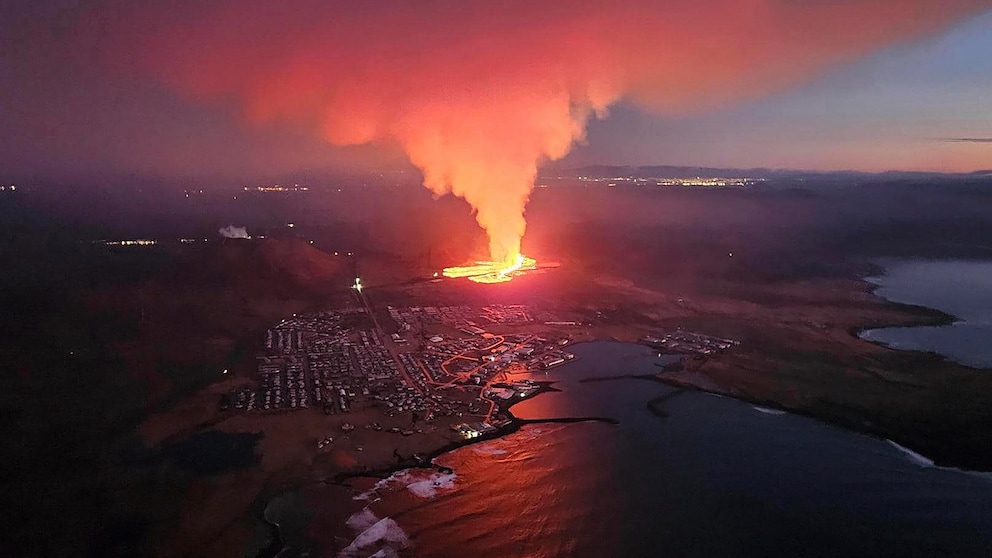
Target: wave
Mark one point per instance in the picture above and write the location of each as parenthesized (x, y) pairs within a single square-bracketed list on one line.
[(928, 463), (383, 539), (429, 487), (418, 481), (913, 456), (362, 520), (768, 411), (488, 450), (379, 485)]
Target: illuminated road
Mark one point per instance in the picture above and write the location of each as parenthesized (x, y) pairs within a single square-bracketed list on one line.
[(482, 389), (385, 341), (444, 365)]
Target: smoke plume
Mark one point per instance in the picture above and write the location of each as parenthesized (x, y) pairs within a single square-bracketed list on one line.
[(231, 231), (479, 92)]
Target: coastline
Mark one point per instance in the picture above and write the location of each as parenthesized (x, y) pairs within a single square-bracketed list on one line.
[(427, 462), (927, 316), (810, 337), (682, 385), (922, 316), (944, 319), (278, 542)]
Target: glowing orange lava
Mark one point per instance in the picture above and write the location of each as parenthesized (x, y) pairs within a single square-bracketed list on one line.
[(493, 272)]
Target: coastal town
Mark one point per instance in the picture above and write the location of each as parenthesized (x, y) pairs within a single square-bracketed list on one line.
[(412, 370)]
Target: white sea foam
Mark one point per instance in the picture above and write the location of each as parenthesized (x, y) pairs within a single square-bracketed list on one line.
[(926, 462), (768, 411), (913, 456), (367, 495), (362, 520), (489, 449), (531, 432), (429, 487), (418, 481), (382, 539)]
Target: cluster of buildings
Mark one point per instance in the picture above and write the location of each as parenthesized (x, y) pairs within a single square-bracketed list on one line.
[(390, 387), (134, 242), (335, 377), (471, 320), (681, 341), (473, 429), (317, 360), (276, 188), (695, 181), (282, 385), (343, 362)]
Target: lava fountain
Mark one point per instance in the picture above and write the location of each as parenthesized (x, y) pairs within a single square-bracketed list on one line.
[(478, 93)]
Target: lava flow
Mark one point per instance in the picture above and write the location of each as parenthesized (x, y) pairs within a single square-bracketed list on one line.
[(493, 272)]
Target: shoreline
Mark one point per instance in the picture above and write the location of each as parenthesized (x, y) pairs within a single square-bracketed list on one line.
[(913, 316), (925, 316), (686, 386), (934, 317), (514, 425), (278, 542), (653, 405)]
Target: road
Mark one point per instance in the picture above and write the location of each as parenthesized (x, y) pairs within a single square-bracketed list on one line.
[(387, 342)]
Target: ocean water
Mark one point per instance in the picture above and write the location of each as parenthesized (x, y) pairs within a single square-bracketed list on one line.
[(211, 452), (960, 288), (715, 477)]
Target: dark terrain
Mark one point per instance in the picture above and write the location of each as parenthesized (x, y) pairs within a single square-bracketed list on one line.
[(94, 338)]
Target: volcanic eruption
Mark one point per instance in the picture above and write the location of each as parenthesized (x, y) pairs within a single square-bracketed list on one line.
[(493, 271), (478, 93)]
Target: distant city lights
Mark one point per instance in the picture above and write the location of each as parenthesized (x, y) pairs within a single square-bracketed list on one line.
[(136, 242), (697, 181), (276, 188)]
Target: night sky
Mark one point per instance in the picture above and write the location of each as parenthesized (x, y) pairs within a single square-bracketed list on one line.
[(232, 89)]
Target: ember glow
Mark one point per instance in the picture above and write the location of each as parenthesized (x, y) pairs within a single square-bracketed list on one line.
[(493, 272)]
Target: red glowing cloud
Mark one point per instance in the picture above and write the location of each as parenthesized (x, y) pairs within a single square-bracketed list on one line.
[(479, 92)]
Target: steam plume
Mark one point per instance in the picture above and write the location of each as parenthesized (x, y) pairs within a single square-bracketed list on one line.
[(479, 92), (231, 231)]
